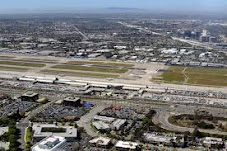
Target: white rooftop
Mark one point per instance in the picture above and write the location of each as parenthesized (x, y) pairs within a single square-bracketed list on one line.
[(126, 145), (100, 141), (3, 130), (212, 140), (4, 145), (49, 144), (69, 130), (104, 118), (158, 138)]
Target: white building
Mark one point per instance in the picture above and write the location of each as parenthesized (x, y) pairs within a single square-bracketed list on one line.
[(3, 130), (103, 142), (126, 146), (42, 131), (159, 139), (51, 143), (211, 141)]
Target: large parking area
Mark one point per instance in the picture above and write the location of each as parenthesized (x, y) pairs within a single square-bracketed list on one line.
[(60, 112), (10, 106)]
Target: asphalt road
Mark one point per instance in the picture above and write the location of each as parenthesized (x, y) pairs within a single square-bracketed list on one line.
[(25, 122), (85, 121), (163, 115)]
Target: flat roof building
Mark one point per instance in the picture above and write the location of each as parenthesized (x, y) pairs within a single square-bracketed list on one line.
[(159, 139), (30, 96), (72, 101), (103, 142), (213, 142), (104, 118), (3, 130), (127, 146), (118, 124), (42, 131), (101, 126), (51, 143)]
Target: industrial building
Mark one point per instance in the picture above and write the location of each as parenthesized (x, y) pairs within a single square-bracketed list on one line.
[(30, 96), (72, 101), (42, 131), (51, 143)]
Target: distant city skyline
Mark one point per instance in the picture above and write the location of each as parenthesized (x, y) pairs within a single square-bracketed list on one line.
[(14, 6)]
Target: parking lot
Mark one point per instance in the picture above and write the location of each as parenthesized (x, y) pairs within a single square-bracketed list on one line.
[(59, 112), (14, 106)]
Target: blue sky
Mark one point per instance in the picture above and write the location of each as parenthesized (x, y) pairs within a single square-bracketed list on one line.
[(186, 5)]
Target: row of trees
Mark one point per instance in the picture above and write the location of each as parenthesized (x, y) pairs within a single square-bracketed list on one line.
[(13, 135)]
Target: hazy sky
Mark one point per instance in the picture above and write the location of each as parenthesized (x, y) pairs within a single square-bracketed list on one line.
[(185, 5)]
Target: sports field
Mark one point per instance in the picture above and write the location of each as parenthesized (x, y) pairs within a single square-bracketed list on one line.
[(194, 76)]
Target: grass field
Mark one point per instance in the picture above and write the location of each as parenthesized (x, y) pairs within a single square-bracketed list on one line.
[(195, 76), (27, 64), (102, 63), (192, 121), (86, 74), (4, 68), (6, 57), (91, 69), (28, 134)]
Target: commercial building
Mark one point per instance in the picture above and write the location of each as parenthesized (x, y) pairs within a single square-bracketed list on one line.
[(42, 131), (102, 142), (127, 146), (204, 38), (159, 139), (51, 143), (101, 126), (72, 101), (104, 118), (30, 96), (213, 39)]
